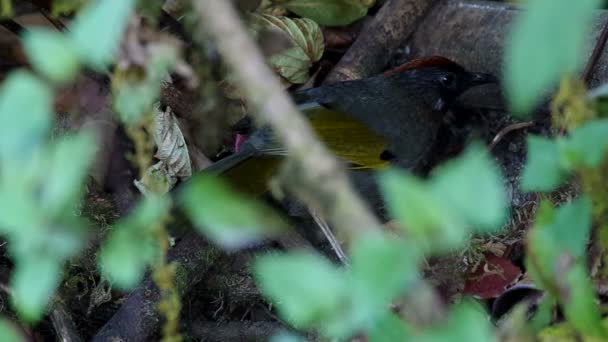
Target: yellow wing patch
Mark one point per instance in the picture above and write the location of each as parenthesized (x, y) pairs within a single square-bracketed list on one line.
[(348, 139)]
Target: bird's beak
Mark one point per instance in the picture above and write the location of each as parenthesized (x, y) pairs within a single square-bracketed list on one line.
[(479, 79)]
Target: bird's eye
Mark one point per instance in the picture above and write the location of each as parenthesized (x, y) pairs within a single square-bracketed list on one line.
[(447, 80)]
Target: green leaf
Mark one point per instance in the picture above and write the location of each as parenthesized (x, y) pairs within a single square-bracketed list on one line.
[(132, 245), (546, 42), (374, 287), (67, 168), (125, 256), (551, 161), (588, 143), (389, 328), (328, 12), (472, 185), (306, 39), (98, 29), (427, 221), (52, 54), (34, 282), (9, 332), (556, 261), (307, 290), (466, 322), (286, 337), (227, 217), (565, 230), (580, 304), (439, 214), (543, 171), (25, 115), (134, 94)]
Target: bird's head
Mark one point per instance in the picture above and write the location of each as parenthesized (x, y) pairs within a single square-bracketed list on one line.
[(447, 78)]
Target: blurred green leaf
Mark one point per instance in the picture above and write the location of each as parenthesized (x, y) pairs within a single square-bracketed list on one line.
[(580, 303), (9, 333), (125, 256), (69, 161), (551, 161), (557, 231), (588, 143), (543, 315), (52, 54), (466, 322), (439, 214), (131, 246), (306, 39), (25, 115), (556, 261), (33, 283), (425, 218), (230, 219), (472, 185), (328, 12), (286, 337), (98, 29), (374, 287), (134, 94), (307, 290), (543, 170), (546, 42), (388, 328)]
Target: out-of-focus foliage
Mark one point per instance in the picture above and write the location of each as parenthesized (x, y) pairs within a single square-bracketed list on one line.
[(8, 332), (41, 180), (435, 214), (546, 42), (550, 161), (310, 292), (40, 184), (227, 217), (556, 261), (131, 246)]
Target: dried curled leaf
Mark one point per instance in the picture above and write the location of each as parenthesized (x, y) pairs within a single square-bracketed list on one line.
[(306, 37), (171, 144), (172, 153)]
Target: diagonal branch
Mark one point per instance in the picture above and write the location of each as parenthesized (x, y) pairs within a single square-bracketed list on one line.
[(316, 177)]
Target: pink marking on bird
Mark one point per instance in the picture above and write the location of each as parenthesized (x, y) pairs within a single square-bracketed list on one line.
[(238, 141)]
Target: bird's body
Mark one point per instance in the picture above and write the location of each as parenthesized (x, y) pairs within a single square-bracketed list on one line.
[(370, 123)]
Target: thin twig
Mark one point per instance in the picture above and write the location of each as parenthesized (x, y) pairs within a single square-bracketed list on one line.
[(329, 235), (315, 175), (508, 129)]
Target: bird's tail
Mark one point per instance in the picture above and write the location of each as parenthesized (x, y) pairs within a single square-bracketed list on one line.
[(248, 170)]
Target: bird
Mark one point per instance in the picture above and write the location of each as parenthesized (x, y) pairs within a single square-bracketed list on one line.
[(371, 123)]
